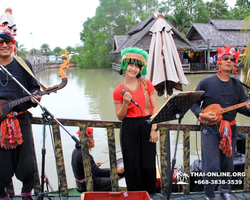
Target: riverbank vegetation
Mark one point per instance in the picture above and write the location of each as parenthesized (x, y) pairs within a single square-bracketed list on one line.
[(116, 17)]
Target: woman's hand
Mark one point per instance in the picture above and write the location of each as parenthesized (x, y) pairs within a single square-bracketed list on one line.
[(98, 164), (127, 98), (153, 136)]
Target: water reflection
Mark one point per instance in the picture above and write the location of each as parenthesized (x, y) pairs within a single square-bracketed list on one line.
[(88, 95)]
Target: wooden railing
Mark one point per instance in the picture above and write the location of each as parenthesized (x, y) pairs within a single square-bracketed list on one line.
[(185, 130)]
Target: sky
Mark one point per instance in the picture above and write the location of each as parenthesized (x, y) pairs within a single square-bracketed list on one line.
[(52, 22)]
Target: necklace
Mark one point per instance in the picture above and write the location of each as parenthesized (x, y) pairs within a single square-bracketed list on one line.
[(131, 90), (7, 81)]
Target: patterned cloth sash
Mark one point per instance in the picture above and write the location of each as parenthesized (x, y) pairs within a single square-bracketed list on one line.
[(80, 180), (226, 137), (10, 132)]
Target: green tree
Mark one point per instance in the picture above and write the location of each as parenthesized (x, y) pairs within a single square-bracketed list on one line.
[(32, 52), (239, 13), (113, 17), (79, 49), (247, 53), (180, 20), (21, 50), (57, 50), (242, 3), (182, 13), (45, 48), (201, 14), (69, 49), (218, 9)]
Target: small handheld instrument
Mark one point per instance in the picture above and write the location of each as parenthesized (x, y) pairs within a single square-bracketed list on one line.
[(216, 109)]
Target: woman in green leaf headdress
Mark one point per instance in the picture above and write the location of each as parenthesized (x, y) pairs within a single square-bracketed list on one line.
[(138, 137)]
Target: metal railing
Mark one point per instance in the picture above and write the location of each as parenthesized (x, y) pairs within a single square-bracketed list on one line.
[(185, 129)]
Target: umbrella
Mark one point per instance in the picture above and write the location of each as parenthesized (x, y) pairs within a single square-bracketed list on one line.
[(164, 66), (165, 72)]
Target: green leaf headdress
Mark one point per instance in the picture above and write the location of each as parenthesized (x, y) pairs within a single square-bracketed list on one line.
[(134, 55)]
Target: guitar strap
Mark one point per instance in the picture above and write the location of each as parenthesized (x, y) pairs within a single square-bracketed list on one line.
[(145, 91), (25, 66)]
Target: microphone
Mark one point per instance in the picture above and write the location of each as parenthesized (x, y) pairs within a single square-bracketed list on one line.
[(123, 92)]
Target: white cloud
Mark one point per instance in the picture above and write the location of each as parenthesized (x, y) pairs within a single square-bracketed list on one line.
[(54, 22)]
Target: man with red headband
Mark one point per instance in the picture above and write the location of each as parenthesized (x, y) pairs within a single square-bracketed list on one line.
[(101, 176), (218, 141), (16, 145)]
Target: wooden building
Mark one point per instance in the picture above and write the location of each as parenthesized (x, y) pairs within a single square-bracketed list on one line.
[(140, 36), (207, 37)]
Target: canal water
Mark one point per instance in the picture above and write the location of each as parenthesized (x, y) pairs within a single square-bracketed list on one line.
[(88, 95)]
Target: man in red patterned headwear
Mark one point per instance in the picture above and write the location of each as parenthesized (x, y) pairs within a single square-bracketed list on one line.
[(16, 145), (218, 141)]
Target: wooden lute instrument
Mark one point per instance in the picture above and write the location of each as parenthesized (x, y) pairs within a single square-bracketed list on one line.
[(216, 109), (7, 106)]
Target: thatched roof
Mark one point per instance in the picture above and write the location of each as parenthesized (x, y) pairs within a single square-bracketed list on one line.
[(219, 33), (139, 36)]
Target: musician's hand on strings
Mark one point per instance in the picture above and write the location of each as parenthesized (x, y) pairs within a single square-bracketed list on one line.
[(209, 116), (153, 136), (38, 97), (248, 106), (98, 164), (120, 170)]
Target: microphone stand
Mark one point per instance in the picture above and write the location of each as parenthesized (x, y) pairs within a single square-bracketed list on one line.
[(44, 109), (43, 193), (45, 115)]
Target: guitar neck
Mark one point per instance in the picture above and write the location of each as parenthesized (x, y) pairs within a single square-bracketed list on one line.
[(19, 101), (224, 110), (22, 100)]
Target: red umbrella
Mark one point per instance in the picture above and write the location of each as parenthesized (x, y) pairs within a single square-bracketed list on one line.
[(164, 66)]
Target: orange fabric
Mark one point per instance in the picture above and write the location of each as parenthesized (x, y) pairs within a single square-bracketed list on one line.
[(10, 134), (226, 134), (139, 96)]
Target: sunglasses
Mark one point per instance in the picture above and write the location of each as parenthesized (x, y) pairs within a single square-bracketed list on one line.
[(225, 58), (7, 42)]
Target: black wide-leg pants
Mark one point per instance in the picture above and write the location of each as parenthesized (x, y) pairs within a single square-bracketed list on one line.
[(19, 161), (138, 155), (213, 159)]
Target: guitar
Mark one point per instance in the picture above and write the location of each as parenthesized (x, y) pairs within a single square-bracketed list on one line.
[(216, 109), (7, 106)]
